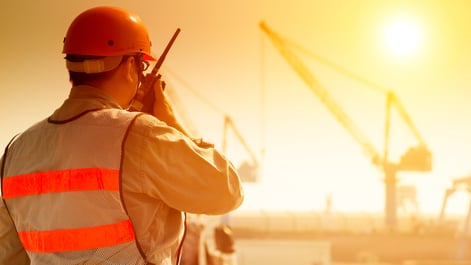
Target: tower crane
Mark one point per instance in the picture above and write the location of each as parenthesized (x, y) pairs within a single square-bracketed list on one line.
[(464, 184), (417, 158), (248, 169)]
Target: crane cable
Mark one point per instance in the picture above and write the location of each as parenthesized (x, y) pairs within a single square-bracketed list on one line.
[(372, 85), (227, 118)]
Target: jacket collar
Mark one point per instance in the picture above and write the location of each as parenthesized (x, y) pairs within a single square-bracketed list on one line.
[(83, 99)]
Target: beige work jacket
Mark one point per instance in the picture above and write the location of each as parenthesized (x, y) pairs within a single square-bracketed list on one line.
[(164, 175)]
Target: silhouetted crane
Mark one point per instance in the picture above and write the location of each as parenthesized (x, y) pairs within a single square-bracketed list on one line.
[(417, 158)]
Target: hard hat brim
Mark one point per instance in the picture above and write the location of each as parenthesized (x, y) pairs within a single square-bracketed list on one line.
[(148, 57)]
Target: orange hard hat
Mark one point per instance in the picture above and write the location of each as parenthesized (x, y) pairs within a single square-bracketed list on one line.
[(107, 31)]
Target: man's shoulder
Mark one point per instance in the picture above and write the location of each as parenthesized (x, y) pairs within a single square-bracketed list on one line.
[(146, 123)]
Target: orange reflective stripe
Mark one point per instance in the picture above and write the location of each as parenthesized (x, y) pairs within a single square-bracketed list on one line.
[(78, 238), (61, 181)]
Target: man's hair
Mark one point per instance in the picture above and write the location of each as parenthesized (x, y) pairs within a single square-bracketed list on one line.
[(80, 78)]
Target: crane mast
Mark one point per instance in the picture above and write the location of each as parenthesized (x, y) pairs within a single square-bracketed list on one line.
[(415, 159)]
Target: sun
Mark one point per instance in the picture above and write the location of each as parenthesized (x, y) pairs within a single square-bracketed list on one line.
[(403, 37)]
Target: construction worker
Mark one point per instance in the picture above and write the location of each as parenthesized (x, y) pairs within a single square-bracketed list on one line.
[(95, 183)]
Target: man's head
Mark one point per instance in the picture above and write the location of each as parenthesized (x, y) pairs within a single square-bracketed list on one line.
[(103, 39)]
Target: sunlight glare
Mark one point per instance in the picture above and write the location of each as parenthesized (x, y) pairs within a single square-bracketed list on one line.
[(403, 37)]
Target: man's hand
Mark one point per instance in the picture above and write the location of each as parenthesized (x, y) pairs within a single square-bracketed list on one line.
[(144, 98), (162, 108)]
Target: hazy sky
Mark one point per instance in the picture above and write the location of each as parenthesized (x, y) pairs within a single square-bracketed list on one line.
[(223, 55)]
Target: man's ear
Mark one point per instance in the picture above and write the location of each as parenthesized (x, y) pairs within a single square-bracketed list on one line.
[(129, 69)]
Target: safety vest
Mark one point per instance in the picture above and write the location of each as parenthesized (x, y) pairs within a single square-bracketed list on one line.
[(62, 188)]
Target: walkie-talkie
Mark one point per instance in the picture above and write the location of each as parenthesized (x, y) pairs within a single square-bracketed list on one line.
[(144, 100)]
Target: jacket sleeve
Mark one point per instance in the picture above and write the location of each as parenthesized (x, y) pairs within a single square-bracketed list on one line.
[(11, 250), (183, 175)]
